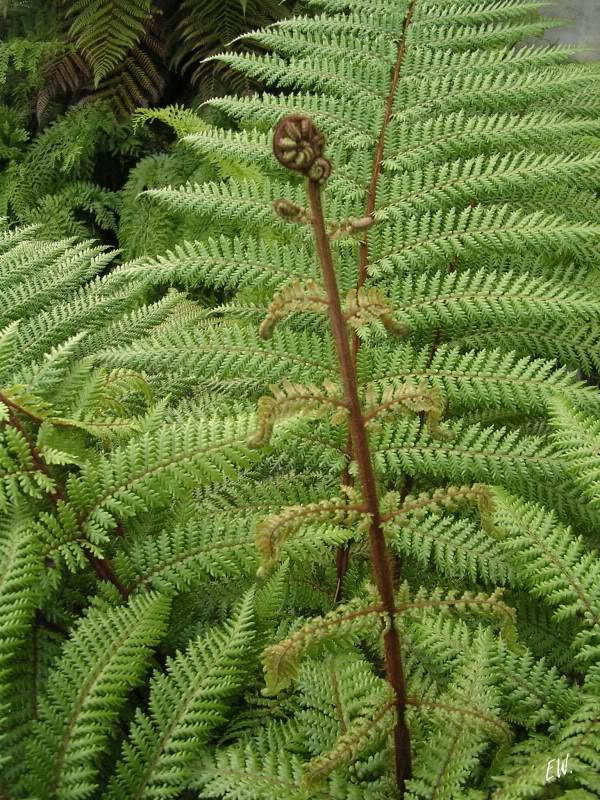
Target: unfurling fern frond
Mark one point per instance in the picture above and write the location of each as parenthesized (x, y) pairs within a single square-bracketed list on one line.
[(338, 377)]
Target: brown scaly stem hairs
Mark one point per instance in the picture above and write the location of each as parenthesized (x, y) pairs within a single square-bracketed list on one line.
[(299, 146)]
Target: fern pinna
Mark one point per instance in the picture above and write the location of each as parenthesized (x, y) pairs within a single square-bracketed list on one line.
[(335, 538)]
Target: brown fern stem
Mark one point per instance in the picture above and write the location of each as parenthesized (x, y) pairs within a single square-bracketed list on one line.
[(378, 159), (343, 555), (299, 145), (379, 555), (342, 561)]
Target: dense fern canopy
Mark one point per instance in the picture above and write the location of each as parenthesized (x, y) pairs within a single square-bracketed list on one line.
[(192, 596), (72, 73)]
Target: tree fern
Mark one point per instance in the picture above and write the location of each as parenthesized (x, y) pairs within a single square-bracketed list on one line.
[(378, 439), (474, 210), (106, 31), (67, 162)]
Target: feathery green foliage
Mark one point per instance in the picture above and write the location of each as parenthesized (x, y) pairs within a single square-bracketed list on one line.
[(161, 459), (71, 75)]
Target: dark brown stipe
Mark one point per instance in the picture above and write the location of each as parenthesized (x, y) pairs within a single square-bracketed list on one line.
[(343, 556), (379, 555)]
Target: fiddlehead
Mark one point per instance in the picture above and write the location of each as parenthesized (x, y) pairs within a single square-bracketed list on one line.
[(298, 145)]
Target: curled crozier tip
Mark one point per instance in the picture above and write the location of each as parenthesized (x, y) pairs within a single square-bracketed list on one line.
[(299, 145)]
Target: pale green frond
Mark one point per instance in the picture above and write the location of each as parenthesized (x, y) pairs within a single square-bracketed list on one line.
[(461, 724), (488, 179), (469, 299), (530, 766), (574, 344), (144, 473), (228, 351), (434, 139), (478, 379), (489, 454), (246, 203), (494, 90), (533, 693), (226, 263), (456, 548), (187, 702), (435, 238), (263, 769), (80, 708), (561, 569)]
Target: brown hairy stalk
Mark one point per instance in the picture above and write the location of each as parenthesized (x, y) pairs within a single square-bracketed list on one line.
[(299, 146)]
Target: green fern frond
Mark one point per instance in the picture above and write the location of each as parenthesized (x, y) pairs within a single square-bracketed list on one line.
[(476, 453), (248, 203), (576, 436), (186, 703), (262, 769), (227, 264), (136, 476), (105, 31), (462, 722), (478, 379), (80, 708), (437, 237), (20, 572), (533, 693), (457, 548), (562, 571), (237, 352), (573, 344), (576, 744), (430, 141)]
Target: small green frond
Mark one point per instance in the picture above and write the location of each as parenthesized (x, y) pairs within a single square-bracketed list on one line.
[(20, 568), (186, 703), (434, 237), (80, 707), (460, 724), (231, 352), (261, 769), (577, 436), (561, 569), (478, 378), (227, 264), (533, 764)]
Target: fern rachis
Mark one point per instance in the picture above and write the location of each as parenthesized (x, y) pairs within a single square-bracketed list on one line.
[(422, 472)]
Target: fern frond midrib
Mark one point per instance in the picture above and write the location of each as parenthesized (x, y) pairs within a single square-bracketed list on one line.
[(190, 555), (87, 687)]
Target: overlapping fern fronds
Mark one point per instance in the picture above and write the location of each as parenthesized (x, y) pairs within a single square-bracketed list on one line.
[(172, 455), (67, 160), (462, 190)]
